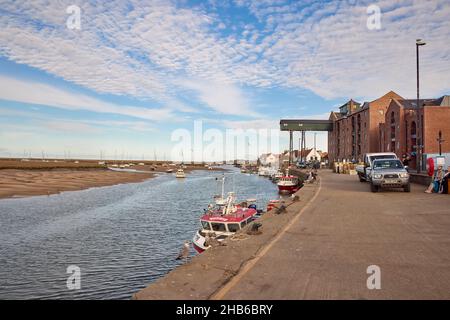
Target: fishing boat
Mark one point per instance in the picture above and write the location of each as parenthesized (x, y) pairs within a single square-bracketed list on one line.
[(288, 183), (180, 173), (277, 176), (221, 220)]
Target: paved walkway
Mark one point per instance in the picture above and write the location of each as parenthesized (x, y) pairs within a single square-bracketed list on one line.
[(325, 253)]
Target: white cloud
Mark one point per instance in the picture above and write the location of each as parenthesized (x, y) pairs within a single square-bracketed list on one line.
[(143, 49), (38, 93), (70, 126), (252, 124), (221, 97)]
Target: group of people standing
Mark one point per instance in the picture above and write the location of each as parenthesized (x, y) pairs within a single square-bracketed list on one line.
[(440, 181)]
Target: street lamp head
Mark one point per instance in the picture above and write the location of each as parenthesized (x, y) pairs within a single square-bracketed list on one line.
[(419, 42)]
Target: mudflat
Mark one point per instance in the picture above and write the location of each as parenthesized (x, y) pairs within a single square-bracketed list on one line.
[(22, 183)]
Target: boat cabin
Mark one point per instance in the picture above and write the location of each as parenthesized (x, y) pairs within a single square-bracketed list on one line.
[(230, 223)]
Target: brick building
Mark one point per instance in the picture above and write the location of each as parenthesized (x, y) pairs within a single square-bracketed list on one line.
[(356, 128), (403, 132), (390, 124)]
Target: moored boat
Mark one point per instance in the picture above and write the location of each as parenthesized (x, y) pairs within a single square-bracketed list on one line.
[(288, 183), (277, 176), (180, 174), (222, 220)]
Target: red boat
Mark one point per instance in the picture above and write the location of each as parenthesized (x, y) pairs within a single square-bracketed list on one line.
[(221, 221), (288, 183)]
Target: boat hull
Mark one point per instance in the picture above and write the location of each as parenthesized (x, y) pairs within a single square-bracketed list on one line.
[(197, 248), (288, 189), (199, 243)]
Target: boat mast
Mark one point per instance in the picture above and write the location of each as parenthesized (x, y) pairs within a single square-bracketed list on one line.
[(223, 186)]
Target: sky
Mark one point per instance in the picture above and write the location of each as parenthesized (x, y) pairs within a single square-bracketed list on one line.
[(136, 72)]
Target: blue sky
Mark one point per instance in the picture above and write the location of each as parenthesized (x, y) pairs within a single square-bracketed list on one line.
[(138, 70)]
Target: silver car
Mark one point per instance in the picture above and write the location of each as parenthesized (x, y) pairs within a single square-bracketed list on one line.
[(389, 173)]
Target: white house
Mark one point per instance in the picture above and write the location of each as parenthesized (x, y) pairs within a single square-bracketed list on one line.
[(312, 154), (269, 160)]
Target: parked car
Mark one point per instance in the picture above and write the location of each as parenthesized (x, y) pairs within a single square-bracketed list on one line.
[(365, 169), (302, 165), (389, 173)]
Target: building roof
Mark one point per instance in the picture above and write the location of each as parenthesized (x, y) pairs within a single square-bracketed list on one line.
[(305, 152), (335, 116), (390, 95), (443, 101), (412, 103), (361, 107)]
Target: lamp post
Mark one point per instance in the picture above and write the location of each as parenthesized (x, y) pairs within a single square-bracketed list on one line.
[(440, 140), (419, 142)]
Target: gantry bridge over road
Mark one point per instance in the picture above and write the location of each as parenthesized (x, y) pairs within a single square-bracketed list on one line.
[(303, 125)]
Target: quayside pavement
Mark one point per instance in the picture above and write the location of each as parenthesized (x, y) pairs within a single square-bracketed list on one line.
[(324, 249)]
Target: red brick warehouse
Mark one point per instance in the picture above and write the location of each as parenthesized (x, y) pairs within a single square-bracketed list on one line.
[(390, 123)]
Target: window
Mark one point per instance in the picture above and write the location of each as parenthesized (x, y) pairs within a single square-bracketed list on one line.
[(413, 136), (233, 227), (205, 225), (387, 164), (243, 224), (393, 131), (373, 158), (218, 226)]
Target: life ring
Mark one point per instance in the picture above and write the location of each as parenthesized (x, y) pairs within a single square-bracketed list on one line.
[(430, 167)]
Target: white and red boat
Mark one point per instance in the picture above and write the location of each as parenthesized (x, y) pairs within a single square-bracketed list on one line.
[(221, 220), (288, 183)]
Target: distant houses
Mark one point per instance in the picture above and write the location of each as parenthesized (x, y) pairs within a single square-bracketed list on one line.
[(276, 160), (269, 160), (306, 155)]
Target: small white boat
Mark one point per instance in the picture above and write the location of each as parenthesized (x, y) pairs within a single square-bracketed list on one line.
[(180, 174)]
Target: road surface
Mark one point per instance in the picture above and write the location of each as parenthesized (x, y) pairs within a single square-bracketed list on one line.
[(325, 254)]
